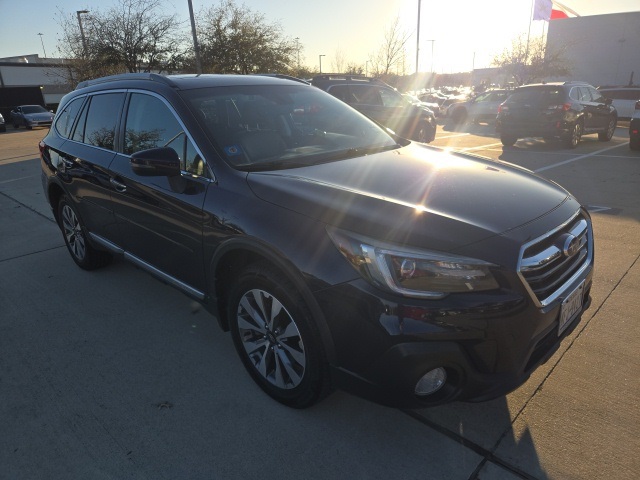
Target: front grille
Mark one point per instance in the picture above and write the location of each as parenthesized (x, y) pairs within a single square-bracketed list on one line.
[(550, 263)]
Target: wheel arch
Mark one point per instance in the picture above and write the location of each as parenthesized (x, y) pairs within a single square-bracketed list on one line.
[(236, 254), (54, 193)]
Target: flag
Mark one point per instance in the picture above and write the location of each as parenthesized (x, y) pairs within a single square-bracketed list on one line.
[(558, 14), (542, 10)]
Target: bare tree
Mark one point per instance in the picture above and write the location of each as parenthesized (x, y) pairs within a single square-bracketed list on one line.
[(338, 63), (132, 36), (235, 39), (392, 52), (529, 62)]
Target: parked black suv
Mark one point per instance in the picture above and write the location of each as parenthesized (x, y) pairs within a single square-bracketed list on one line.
[(556, 110), (382, 103), (336, 253)]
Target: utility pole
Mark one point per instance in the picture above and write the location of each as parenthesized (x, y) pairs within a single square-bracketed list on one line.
[(196, 47), (320, 58), (84, 39)]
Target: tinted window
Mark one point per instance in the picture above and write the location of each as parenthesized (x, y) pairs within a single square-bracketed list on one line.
[(342, 92), (65, 119), (151, 124), (366, 95), (100, 121)]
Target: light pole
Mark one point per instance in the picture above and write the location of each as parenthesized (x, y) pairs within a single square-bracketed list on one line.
[(418, 39), (320, 58), (432, 42), (42, 41), (196, 47), (84, 40)]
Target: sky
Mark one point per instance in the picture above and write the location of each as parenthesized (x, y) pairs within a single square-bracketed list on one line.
[(455, 35)]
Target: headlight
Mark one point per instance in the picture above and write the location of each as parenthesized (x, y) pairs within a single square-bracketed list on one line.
[(413, 273)]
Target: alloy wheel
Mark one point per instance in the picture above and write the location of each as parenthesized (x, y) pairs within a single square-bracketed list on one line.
[(271, 339), (73, 233)]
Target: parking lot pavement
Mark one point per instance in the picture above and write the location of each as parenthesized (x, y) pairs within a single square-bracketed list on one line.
[(111, 374)]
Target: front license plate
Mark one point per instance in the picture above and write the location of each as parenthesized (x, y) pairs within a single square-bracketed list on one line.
[(571, 306)]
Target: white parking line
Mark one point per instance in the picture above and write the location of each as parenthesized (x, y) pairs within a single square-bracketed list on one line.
[(452, 136), (549, 167), (481, 147)]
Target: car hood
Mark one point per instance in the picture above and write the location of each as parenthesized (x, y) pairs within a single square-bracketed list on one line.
[(415, 195)]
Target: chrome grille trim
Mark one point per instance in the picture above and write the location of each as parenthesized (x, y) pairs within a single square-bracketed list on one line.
[(545, 270)]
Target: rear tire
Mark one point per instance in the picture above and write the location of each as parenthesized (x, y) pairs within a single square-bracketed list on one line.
[(573, 138), (75, 237), (634, 144), (508, 141), (276, 337)]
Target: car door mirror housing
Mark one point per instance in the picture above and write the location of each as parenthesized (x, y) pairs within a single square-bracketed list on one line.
[(156, 162)]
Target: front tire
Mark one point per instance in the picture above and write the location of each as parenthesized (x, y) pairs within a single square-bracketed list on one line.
[(75, 237), (608, 133), (425, 133), (276, 338)]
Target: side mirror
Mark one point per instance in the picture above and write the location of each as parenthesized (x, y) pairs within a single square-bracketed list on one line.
[(156, 162), (608, 101)]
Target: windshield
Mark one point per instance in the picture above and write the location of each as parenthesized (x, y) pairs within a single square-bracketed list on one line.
[(33, 109), (283, 126)]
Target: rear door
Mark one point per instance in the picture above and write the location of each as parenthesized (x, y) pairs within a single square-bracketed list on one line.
[(526, 110), (88, 153)]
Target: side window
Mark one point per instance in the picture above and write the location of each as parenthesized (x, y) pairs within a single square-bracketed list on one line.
[(576, 94), (341, 92), (366, 95), (390, 98), (596, 95), (150, 124), (97, 123), (66, 117)]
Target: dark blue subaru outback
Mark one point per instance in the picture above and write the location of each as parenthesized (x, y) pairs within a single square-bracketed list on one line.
[(337, 254)]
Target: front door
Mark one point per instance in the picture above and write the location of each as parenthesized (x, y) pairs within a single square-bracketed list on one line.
[(161, 217)]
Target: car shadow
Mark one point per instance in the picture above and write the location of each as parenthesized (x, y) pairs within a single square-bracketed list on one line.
[(488, 429), (480, 129)]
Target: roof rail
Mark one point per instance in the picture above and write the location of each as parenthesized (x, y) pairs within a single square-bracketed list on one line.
[(126, 76), (283, 76)]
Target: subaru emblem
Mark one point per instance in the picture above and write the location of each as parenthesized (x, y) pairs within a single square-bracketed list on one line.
[(571, 245)]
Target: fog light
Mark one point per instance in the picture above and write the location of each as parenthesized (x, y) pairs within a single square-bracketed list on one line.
[(431, 382)]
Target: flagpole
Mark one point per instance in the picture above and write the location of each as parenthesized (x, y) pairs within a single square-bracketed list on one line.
[(526, 55)]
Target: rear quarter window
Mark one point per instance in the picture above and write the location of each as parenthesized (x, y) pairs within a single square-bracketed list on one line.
[(64, 122)]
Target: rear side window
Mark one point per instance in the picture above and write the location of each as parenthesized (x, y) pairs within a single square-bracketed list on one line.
[(97, 124), (366, 95), (67, 116)]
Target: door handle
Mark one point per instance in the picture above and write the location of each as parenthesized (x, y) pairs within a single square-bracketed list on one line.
[(120, 187)]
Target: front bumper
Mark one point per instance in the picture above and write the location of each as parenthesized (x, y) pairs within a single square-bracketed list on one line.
[(488, 346)]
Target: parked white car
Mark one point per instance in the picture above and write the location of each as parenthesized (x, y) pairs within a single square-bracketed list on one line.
[(624, 99)]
